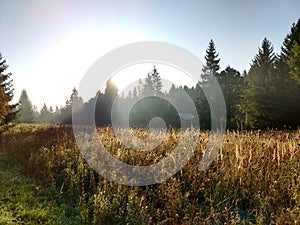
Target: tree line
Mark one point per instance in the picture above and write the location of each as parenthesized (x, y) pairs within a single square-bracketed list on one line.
[(267, 96)]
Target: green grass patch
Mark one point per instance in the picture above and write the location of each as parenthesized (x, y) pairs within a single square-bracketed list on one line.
[(23, 201)]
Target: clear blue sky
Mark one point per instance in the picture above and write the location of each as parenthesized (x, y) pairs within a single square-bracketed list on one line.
[(49, 44)]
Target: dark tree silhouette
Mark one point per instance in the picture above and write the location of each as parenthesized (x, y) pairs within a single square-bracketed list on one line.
[(261, 89), (266, 96), (66, 112), (209, 69), (105, 102), (292, 37), (231, 83), (293, 62), (153, 83), (212, 62), (7, 110)]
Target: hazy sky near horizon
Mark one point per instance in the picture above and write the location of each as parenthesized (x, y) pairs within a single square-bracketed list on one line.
[(50, 44)]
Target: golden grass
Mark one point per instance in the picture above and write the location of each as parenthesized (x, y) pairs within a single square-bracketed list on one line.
[(254, 180)]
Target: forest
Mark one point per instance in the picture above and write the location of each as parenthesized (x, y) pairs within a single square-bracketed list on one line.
[(263, 97), (254, 178)]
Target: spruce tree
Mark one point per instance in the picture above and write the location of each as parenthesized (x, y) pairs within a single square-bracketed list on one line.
[(26, 110), (210, 68), (66, 112), (286, 57), (292, 37), (212, 62), (288, 88), (7, 110), (153, 82), (261, 89), (157, 85), (293, 62), (45, 116)]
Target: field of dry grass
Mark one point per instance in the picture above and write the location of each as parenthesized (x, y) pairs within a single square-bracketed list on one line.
[(255, 179)]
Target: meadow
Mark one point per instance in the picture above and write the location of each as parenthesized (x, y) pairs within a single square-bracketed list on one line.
[(255, 179)]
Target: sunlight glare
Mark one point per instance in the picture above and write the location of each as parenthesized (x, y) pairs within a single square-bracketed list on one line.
[(62, 66)]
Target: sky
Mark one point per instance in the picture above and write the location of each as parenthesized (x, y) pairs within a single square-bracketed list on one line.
[(50, 44)]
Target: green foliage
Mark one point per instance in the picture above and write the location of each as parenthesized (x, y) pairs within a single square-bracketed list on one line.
[(212, 62), (203, 109), (148, 108), (266, 97), (23, 200), (258, 96), (292, 38), (211, 68), (7, 110), (293, 62), (272, 85), (232, 84)]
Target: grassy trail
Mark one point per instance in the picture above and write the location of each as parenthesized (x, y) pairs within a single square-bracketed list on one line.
[(21, 200)]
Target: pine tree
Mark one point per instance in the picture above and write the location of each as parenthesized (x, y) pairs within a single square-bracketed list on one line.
[(74, 98), (7, 111), (283, 68), (157, 85), (261, 89), (212, 62), (66, 112), (293, 62), (292, 37), (211, 68), (288, 88), (153, 82), (45, 116), (26, 110)]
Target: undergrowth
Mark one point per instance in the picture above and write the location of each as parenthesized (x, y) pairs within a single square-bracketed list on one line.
[(24, 201), (254, 180)]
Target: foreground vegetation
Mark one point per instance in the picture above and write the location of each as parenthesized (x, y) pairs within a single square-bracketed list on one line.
[(254, 180), (22, 200)]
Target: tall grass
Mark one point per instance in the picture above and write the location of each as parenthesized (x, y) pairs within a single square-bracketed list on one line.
[(254, 180)]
